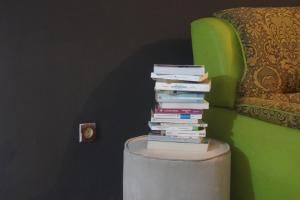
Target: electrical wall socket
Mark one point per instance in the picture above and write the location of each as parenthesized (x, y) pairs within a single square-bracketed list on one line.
[(87, 132)]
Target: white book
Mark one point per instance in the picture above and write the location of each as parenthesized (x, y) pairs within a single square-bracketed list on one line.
[(203, 105), (179, 69), (194, 136), (177, 146), (169, 127), (199, 133), (179, 96), (199, 124), (177, 116), (192, 87), (170, 138), (184, 121), (180, 77)]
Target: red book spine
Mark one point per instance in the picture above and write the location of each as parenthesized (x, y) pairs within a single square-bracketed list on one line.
[(178, 111)]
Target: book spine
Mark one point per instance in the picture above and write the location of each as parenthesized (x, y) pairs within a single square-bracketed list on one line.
[(178, 101), (181, 128), (193, 70), (186, 135), (182, 87), (178, 127), (178, 111), (199, 133), (202, 106), (179, 98), (177, 116), (186, 121), (198, 124), (174, 65), (180, 77), (165, 138), (176, 94)]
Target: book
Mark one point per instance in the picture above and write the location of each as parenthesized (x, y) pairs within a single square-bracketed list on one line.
[(179, 96), (179, 77), (185, 134), (192, 87), (158, 109), (179, 69), (184, 121), (176, 120), (155, 126), (168, 138), (201, 147), (199, 124), (198, 133), (177, 116), (202, 105), (178, 128)]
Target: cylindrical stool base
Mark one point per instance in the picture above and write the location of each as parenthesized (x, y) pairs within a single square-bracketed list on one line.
[(148, 175)]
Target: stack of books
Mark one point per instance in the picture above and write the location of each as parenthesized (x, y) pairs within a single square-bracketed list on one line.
[(176, 120)]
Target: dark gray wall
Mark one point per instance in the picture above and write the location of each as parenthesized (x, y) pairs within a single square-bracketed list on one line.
[(65, 62)]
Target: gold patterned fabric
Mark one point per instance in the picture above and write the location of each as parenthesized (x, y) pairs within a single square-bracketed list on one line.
[(286, 112), (271, 42)]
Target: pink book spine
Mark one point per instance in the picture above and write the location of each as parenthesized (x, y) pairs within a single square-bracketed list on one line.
[(178, 111)]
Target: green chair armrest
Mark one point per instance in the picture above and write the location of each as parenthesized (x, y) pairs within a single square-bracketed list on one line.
[(217, 46)]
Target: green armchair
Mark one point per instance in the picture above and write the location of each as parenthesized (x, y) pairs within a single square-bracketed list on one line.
[(265, 154)]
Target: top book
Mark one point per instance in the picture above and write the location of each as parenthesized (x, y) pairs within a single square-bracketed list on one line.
[(194, 70)]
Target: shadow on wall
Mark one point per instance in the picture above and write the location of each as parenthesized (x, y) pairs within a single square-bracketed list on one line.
[(121, 108)]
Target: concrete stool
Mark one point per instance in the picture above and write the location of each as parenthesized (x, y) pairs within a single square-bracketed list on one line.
[(174, 175)]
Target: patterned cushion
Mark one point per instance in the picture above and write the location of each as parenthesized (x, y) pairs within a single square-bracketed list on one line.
[(282, 110), (271, 42)]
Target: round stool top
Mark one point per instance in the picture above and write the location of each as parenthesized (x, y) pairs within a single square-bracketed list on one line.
[(138, 146)]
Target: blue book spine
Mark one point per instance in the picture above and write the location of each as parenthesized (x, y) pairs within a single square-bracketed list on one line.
[(185, 116)]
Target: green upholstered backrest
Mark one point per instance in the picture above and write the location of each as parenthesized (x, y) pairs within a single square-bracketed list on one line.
[(216, 45)]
